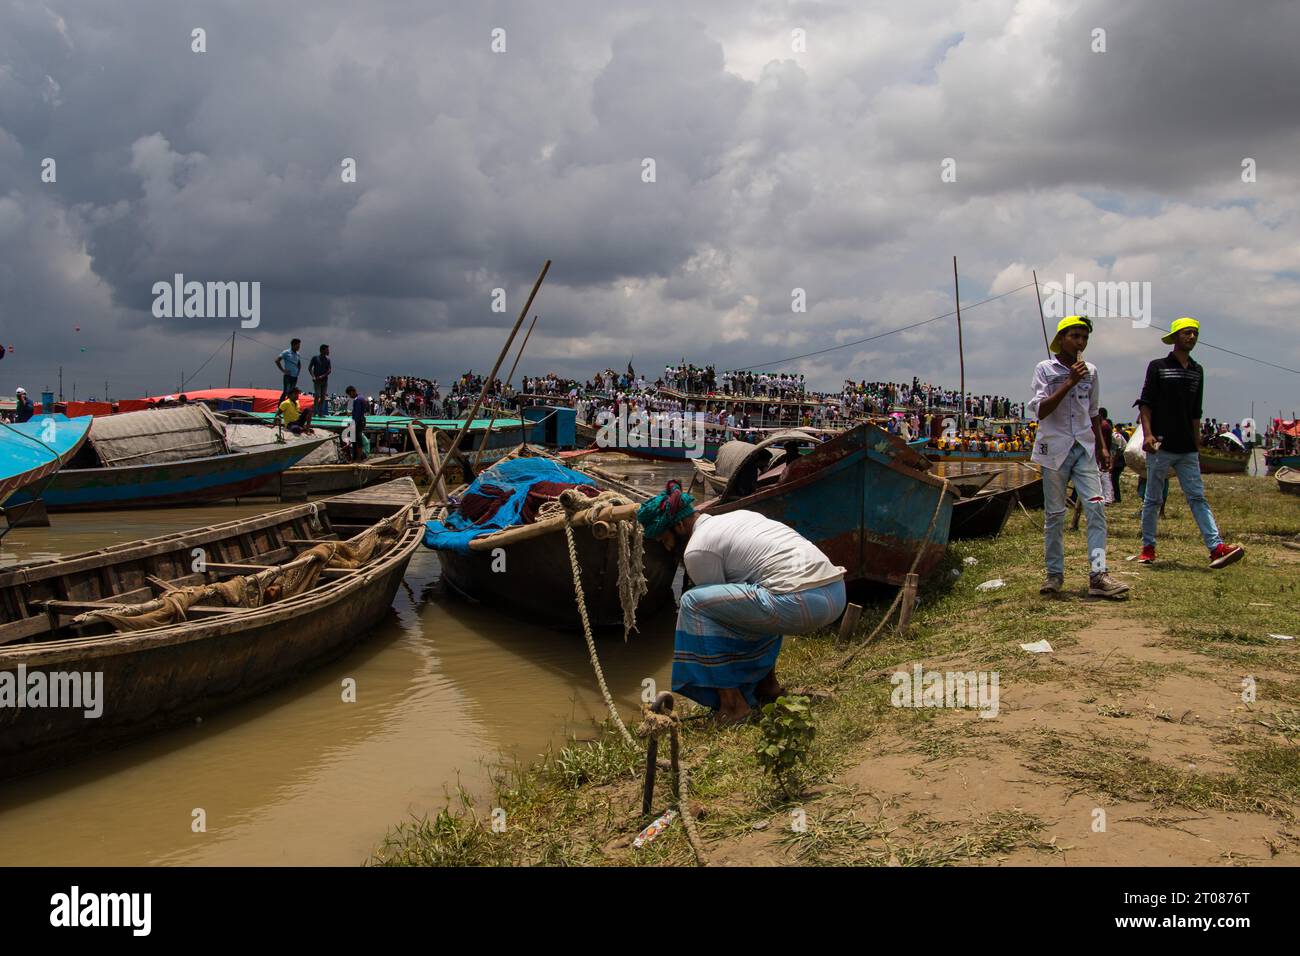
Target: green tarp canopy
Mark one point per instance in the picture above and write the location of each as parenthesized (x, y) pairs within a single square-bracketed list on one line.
[(397, 423)]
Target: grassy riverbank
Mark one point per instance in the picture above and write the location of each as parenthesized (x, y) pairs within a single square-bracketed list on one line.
[(1135, 723)]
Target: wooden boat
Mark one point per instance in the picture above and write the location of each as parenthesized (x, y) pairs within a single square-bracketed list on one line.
[(1288, 480), (1277, 458), (169, 456), (503, 433), (864, 498), (982, 515), (949, 454), (37, 448), (650, 450), (324, 471), (1224, 456), (34, 450), (532, 577), (215, 654)]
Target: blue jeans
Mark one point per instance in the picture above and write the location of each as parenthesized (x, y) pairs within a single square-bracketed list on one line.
[(1080, 466), (1187, 467), (290, 381)]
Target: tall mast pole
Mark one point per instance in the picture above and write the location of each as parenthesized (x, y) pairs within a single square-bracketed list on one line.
[(961, 351)]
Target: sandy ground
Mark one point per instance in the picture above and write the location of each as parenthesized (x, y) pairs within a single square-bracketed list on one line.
[(1116, 687)]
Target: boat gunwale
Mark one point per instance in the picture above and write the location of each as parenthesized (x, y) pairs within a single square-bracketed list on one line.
[(187, 631), (713, 505), (261, 451)]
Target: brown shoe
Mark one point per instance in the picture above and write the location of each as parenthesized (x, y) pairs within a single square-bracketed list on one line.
[(1053, 584), (1103, 585)]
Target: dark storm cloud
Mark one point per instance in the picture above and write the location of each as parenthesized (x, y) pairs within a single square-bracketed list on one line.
[(776, 168)]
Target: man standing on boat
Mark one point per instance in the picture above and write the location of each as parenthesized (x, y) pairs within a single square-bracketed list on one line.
[(1069, 447), (1171, 421), (23, 407), (357, 407), (319, 369), (755, 581), (289, 362)]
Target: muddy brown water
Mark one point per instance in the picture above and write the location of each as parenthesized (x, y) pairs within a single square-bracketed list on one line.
[(445, 690)]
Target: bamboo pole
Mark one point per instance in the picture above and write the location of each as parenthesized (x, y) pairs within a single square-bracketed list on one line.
[(431, 446), (1041, 320), (524, 532), (482, 446), (487, 382), (961, 352)]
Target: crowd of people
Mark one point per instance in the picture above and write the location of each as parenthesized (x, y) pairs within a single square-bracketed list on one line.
[(879, 398)]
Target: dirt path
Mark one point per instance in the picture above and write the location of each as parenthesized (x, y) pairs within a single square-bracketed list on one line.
[(1121, 748)]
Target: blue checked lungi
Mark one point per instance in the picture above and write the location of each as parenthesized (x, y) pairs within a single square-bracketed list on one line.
[(729, 635)]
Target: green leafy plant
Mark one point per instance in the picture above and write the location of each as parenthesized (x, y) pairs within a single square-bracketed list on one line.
[(788, 733)]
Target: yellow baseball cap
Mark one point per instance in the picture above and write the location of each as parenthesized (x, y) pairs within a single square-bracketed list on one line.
[(1179, 324), (1068, 322)]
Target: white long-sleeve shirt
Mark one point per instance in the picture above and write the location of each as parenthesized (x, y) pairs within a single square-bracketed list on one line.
[(744, 547), (1071, 421)]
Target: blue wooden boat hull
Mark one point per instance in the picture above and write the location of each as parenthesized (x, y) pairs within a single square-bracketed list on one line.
[(196, 481), (863, 500), (35, 449)]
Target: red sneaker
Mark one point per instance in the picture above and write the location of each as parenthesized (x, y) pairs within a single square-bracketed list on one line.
[(1225, 554), (1148, 555)]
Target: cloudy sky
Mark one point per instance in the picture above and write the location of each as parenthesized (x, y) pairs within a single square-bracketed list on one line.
[(794, 145)]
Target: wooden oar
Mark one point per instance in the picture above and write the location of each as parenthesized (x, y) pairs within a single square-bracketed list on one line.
[(487, 382)]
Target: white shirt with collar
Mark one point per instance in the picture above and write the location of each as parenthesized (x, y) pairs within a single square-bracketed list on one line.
[(1071, 421)]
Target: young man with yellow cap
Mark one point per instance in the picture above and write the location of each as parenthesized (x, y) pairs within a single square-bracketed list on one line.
[(1069, 447), (1171, 421)]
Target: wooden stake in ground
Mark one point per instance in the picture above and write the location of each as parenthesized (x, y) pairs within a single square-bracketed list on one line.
[(852, 612), (910, 586), (487, 382)]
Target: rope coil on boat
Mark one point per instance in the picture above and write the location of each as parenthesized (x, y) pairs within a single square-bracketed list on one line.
[(632, 585)]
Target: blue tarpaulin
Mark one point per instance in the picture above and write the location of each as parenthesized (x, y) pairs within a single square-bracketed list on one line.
[(515, 478)]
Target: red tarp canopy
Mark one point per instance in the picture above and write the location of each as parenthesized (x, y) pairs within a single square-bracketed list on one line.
[(264, 399), (77, 409), (1291, 428)]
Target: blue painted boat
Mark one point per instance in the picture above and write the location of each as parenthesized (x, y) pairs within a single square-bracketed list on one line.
[(160, 457), (33, 450), (864, 498)]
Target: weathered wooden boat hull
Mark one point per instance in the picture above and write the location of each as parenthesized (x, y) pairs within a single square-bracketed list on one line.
[(168, 675), (23, 460), (1274, 462), (935, 454), (537, 582), (1288, 480), (1214, 462), (856, 499), (588, 433), (195, 481), (982, 516), (313, 481)]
